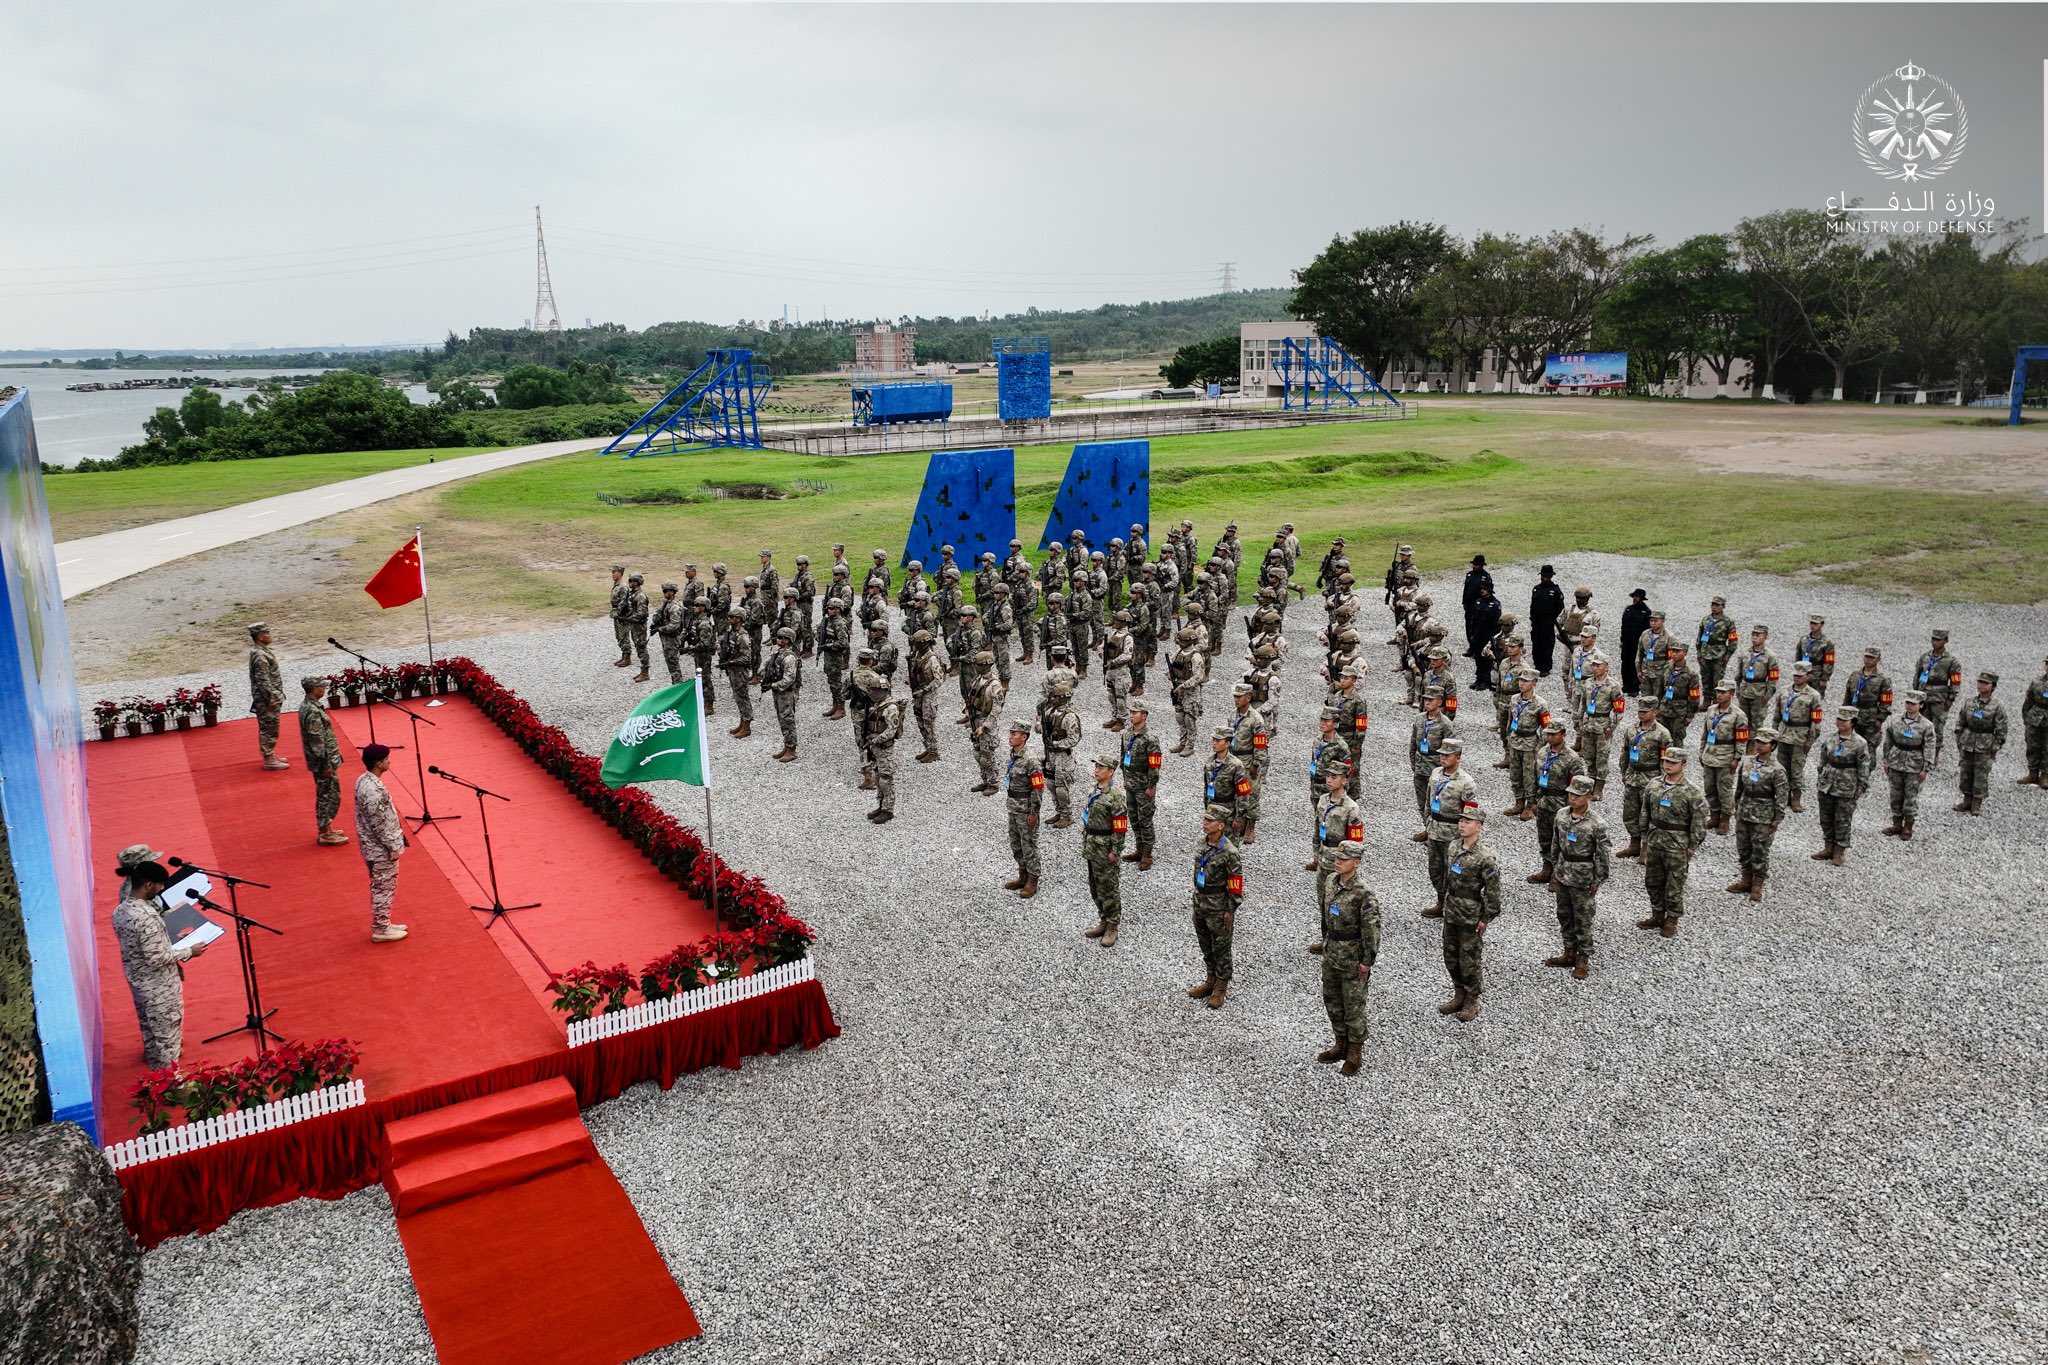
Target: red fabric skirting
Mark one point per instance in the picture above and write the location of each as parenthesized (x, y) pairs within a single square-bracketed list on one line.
[(328, 1157)]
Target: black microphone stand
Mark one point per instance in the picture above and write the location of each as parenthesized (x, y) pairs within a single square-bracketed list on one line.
[(255, 1019), (372, 693), (426, 816), (497, 908)]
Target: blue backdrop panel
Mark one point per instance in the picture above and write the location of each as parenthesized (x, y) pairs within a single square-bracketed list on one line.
[(970, 503), (889, 404), (42, 781), (1024, 386), (1108, 489)]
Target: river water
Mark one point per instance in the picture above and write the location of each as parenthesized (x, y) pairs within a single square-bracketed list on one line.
[(74, 426)]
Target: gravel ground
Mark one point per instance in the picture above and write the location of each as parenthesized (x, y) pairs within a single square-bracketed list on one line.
[(1809, 1130)]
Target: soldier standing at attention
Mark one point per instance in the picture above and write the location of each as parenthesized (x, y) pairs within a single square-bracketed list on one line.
[(1582, 663), (1337, 819), (738, 666), (1450, 792), (874, 608), (1142, 760), (720, 599), (636, 622), (946, 605), (1843, 777), (835, 642), (754, 616), (1117, 657), (1081, 621), (700, 637), (1219, 890), (789, 618), (1584, 861), (1000, 623), (913, 584), (1682, 698), (1104, 823), (806, 619), (1425, 744), (1184, 672), (1756, 676), (839, 587), (1546, 605), (1717, 641), (380, 837), (1022, 793), (1574, 618), (973, 642), (266, 694), (694, 590), (885, 725), (782, 676), (1556, 766), (1939, 677), (1061, 731), (1327, 747), (619, 627), (981, 704), (886, 654), (878, 575), (924, 672), (1677, 827), (1351, 945), (1506, 687), (1869, 693), (1601, 709), (1354, 717), (1402, 565), (1527, 715), (1721, 745), (770, 579), (1980, 733), (1819, 653), (1438, 674), (1471, 902), (1052, 627), (1797, 723), (1762, 795), (1248, 741), (1642, 759), (667, 624), (1653, 659), (2034, 720), (1225, 782), (323, 758), (1907, 752)]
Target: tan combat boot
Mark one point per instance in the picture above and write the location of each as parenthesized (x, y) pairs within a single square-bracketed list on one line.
[(1145, 858), (1581, 968), (1756, 889), (1334, 1052), (1542, 878), (1826, 853), (1906, 830), (1109, 937), (1895, 826), (1352, 1061), (1471, 1010), (1201, 989), (1101, 927), (1029, 889), (1455, 1003), (1014, 883), (1836, 852), (1217, 996), (1976, 805), (1740, 884)]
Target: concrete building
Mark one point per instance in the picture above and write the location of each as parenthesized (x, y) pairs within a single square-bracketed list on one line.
[(882, 347)]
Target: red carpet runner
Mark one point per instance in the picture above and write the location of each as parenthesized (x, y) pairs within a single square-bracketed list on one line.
[(523, 1246)]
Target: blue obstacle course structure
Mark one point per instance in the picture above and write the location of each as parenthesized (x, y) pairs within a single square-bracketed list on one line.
[(2019, 378), (1107, 490), (1316, 374), (1023, 378), (882, 404), (969, 502), (717, 406), (42, 783)]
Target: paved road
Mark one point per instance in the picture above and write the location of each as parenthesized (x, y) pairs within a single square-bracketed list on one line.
[(95, 561)]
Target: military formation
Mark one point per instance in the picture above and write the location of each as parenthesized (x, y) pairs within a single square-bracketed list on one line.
[(1712, 732)]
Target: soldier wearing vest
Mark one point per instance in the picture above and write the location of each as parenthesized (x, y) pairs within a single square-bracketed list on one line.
[(1818, 652), (1721, 745), (1653, 658), (1450, 792), (1642, 760), (1219, 891), (1351, 944), (1105, 821), (1980, 734), (738, 665), (1756, 675), (1527, 715), (1585, 860), (1024, 793), (1426, 739), (1602, 708), (2034, 720), (1677, 827), (1869, 693), (982, 704), (1907, 755), (1556, 766), (1797, 721), (1682, 698), (1337, 819), (1938, 676), (1471, 902), (1248, 741), (1716, 641), (999, 625), (620, 625), (1762, 795), (1843, 777)]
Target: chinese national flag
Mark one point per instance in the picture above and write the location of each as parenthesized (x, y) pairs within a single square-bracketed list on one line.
[(403, 578)]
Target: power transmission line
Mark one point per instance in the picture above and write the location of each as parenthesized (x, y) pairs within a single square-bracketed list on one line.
[(1230, 277)]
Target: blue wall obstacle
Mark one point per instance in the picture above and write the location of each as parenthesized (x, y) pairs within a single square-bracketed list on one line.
[(969, 501), (717, 405), (1108, 488), (42, 781), (2027, 354), (882, 405), (1023, 378)]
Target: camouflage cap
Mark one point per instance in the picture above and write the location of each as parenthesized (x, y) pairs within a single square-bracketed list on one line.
[(256, 628), (1940, 634), (1525, 674), (137, 853), (1240, 689), (1759, 629), (671, 586), (1432, 694), (1582, 593), (1717, 601), (1674, 754), (1349, 850), (1766, 736), (1221, 732), (618, 568), (1725, 685), (1218, 814), (718, 569), (1816, 620), (1678, 646), (691, 566), (839, 547), (1914, 697), (1404, 550), (1139, 707), (1473, 812), (1598, 660), (1020, 727), (1438, 653), (1847, 713), (767, 554), (984, 657), (1649, 703), (1508, 618), (1337, 767), (750, 581), (1331, 713), (1589, 626), (1581, 785), (878, 684), (1656, 613), (1553, 726), (313, 680), (1108, 761), (1451, 746), (866, 652), (1872, 652), (1802, 666), (1987, 676)]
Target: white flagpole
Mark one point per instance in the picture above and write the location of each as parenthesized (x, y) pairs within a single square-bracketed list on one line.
[(704, 761), (420, 541)]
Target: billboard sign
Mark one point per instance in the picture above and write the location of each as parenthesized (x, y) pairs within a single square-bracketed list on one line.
[(1586, 370)]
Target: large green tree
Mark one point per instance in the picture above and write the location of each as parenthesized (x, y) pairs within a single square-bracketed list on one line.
[(1367, 291), (1204, 362)]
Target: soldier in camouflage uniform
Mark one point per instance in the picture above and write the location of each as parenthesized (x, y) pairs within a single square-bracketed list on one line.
[(1337, 819), (1981, 728), (2034, 721), (1756, 676), (874, 608), (1843, 777), (1556, 766), (1022, 795), (981, 705), (738, 666), (1869, 693), (884, 726), (1716, 642), (719, 600), (782, 677), (323, 758), (973, 642), (1225, 781), (620, 629), (1602, 708), (754, 611), (1184, 671), (839, 587), (694, 590), (878, 575), (1725, 736), (946, 605), (1061, 730), (1105, 821), (886, 654), (1581, 669), (266, 694), (1219, 891), (667, 626), (835, 642), (1099, 582), (1797, 721), (1653, 658), (636, 622), (1354, 717), (1351, 945), (1642, 759), (924, 672), (1677, 827), (789, 618), (1326, 748), (1142, 759), (1000, 623), (1584, 860), (700, 637), (1907, 755), (380, 838), (1425, 745), (155, 967), (1818, 652), (1145, 625), (806, 619), (1081, 621), (1471, 902), (1117, 656), (1682, 697), (1762, 796), (913, 584), (1248, 741), (1527, 715), (1505, 689), (1450, 792), (1052, 627), (1439, 674), (1938, 676)]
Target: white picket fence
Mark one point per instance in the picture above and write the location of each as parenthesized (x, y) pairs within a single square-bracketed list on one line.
[(262, 1118), (728, 992)]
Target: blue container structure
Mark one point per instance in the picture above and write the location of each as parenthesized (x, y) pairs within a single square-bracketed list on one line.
[(2035, 354), (1023, 378), (1317, 375), (717, 406), (969, 501), (1107, 490), (878, 404)]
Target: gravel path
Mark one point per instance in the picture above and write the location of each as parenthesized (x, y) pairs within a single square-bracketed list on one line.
[(1810, 1130)]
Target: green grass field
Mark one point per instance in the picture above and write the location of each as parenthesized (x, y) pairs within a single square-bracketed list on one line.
[(87, 504)]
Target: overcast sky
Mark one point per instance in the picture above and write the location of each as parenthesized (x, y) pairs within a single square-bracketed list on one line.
[(320, 173)]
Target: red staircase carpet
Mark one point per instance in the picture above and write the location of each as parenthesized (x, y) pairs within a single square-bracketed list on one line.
[(522, 1244)]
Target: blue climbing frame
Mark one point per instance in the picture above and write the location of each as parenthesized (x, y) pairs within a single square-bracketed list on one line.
[(1318, 374), (2019, 378), (717, 406)]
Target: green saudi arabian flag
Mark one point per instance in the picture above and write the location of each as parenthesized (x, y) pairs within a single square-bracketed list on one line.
[(662, 739)]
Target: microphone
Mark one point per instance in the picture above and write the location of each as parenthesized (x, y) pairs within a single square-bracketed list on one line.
[(332, 641), (177, 862), (434, 770)]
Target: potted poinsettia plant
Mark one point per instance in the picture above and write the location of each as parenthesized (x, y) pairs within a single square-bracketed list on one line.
[(780, 937), (208, 1092), (107, 715), (678, 970), (208, 698), (154, 1096), (583, 988), (183, 705)]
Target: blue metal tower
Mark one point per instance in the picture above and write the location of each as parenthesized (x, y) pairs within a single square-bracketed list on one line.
[(717, 406), (1318, 374)]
